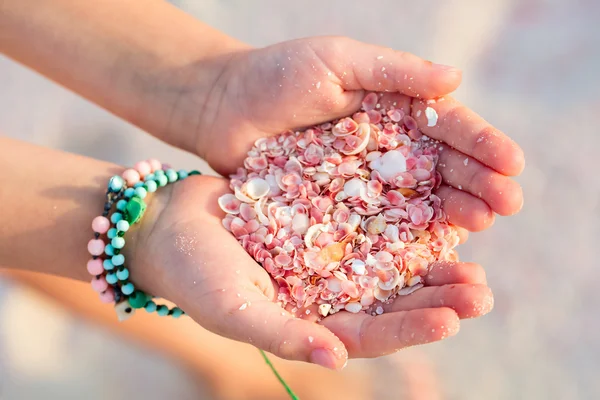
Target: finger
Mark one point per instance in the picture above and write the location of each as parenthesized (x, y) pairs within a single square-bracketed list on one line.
[(445, 272), (368, 336), (467, 132), (361, 66), (258, 320), (463, 234), (467, 300), (501, 193), (465, 210)]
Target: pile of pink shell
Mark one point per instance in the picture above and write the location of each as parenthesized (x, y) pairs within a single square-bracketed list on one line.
[(342, 215)]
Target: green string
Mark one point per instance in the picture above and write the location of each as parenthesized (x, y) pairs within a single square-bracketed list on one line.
[(285, 385)]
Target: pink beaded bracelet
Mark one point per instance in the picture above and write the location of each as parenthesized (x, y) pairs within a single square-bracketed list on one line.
[(126, 193)]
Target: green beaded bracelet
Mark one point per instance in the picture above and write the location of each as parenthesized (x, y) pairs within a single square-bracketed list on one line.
[(111, 276)]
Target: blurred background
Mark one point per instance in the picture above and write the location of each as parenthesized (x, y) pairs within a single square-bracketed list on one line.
[(530, 68)]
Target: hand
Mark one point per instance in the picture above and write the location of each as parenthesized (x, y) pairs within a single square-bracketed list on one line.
[(182, 252), (304, 82)]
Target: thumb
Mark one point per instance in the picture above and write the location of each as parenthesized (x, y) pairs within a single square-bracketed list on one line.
[(263, 323), (362, 66)]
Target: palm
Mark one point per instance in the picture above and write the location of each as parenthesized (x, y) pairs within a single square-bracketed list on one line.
[(200, 266), (304, 82)]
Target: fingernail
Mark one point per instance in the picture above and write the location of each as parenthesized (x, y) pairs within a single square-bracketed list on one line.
[(447, 68), (324, 358)]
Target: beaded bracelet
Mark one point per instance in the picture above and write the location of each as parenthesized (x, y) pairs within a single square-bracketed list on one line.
[(111, 277)]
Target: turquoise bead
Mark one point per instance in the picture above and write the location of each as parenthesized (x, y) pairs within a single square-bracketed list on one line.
[(182, 174), (151, 186), (118, 260), (158, 173), (141, 192), (123, 274), (118, 242), (111, 278), (137, 185), (162, 310), (123, 226), (127, 288), (121, 204), (112, 233), (149, 177), (162, 180), (115, 183), (176, 312), (171, 175), (150, 306), (116, 217), (108, 265), (109, 250), (129, 192), (138, 299)]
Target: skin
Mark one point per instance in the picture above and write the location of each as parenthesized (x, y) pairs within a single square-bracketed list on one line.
[(195, 88)]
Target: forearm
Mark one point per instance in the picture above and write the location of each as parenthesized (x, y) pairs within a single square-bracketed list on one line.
[(145, 61), (49, 199)]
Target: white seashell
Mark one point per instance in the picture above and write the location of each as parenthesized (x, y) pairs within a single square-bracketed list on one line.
[(389, 165), (409, 289), (334, 284), (311, 235), (354, 187), (258, 208), (376, 225), (364, 132), (432, 116), (382, 295), (353, 307), (257, 188), (300, 224), (321, 178), (340, 275), (229, 199), (124, 311), (354, 221), (324, 309), (414, 280), (373, 155), (392, 283), (242, 197), (359, 267), (341, 196)]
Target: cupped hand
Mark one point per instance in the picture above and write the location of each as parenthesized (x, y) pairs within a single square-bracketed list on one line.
[(182, 252), (304, 82)]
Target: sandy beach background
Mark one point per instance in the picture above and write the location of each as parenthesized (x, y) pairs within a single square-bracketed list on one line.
[(530, 68)]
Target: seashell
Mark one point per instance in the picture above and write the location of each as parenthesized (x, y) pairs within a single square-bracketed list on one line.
[(353, 307), (229, 203), (345, 127), (376, 225), (354, 187), (382, 295), (392, 282), (363, 133), (300, 224), (359, 267), (409, 289), (354, 221), (389, 165), (311, 234), (340, 196), (324, 309), (242, 197)]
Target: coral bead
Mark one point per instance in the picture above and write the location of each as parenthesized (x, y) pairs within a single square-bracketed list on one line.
[(96, 247), (100, 224), (100, 284), (143, 167), (155, 164), (131, 176), (94, 267), (108, 296)]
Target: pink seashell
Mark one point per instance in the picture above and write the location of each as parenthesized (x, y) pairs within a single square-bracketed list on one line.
[(362, 139), (374, 116), (409, 122), (395, 115), (345, 127), (370, 101)]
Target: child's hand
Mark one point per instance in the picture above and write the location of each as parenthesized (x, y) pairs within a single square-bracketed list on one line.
[(182, 252), (304, 82)]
